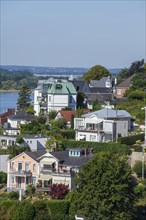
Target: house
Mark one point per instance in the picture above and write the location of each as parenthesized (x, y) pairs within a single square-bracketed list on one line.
[(102, 95), (121, 88), (69, 115), (12, 127), (54, 94), (104, 82), (105, 125), (42, 168), (35, 142), (4, 162), (4, 115)]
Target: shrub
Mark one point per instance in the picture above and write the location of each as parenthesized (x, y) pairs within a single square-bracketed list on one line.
[(58, 207), (30, 189), (3, 177), (130, 140), (42, 211), (58, 191), (68, 134), (13, 195), (24, 211), (137, 168)]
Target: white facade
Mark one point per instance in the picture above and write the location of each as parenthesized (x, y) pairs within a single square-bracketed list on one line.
[(99, 130), (54, 95)]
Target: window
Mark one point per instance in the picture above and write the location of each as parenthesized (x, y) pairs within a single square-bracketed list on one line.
[(92, 137), (12, 179), (58, 86), (26, 166), (12, 166), (49, 98), (47, 167), (34, 181), (70, 99), (19, 166), (34, 167), (119, 92)]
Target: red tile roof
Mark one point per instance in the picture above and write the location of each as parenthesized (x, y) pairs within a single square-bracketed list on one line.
[(67, 114)]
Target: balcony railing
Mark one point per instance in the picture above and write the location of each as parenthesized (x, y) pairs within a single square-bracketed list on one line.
[(20, 172), (55, 172)]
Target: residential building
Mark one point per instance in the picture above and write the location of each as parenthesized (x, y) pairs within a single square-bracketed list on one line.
[(4, 116), (12, 127), (4, 162), (69, 115), (35, 142), (105, 125), (54, 94), (42, 168), (121, 88)]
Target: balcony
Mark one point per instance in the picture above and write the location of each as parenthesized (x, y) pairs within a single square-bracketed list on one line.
[(22, 173), (55, 172)]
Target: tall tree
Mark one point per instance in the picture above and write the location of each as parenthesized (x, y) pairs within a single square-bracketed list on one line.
[(24, 98), (96, 73), (105, 189)]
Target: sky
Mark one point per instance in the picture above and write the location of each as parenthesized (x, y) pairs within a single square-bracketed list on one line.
[(72, 33)]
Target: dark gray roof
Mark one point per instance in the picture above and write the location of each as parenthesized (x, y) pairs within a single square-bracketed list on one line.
[(101, 82), (36, 154), (101, 98), (21, 115), (78, 84), (62, 156), (100, 90)]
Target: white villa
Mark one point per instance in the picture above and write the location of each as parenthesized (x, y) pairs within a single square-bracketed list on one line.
[(54, 94), (105, 125)]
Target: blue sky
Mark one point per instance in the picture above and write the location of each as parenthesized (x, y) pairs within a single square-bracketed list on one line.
[(72, 33)]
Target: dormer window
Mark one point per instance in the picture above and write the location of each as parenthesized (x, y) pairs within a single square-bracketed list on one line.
[(74, 153), (58, 86)]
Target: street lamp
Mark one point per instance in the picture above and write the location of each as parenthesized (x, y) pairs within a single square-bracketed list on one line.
[(143, 146)]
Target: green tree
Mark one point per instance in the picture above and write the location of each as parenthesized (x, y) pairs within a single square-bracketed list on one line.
[(24, 211), (52, 114), (96, 73), (105, 189), (58, 123), (81, 100), (95, 105), (24, 98)]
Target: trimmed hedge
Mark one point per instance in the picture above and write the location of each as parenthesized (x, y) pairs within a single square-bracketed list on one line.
[(68, 134), (97, 146), (58, 207), (130, 140)]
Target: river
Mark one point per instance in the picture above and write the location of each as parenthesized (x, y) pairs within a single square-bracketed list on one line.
[(9, 100)]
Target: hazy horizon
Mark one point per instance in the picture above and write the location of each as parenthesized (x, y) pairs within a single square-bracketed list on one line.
[(72, 34)]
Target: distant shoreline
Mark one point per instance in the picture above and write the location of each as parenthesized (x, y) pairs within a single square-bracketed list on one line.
[(8, 91)]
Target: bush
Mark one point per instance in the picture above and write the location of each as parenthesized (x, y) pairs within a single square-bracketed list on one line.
[(3, 177), (58, 207), (58, 191), (68, 134), (137, 168), (30, 189), (24, 211), (13, 195), (130, 140), (42, 211)]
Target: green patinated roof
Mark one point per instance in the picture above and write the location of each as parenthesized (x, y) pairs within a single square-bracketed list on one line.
[(63, 87)]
